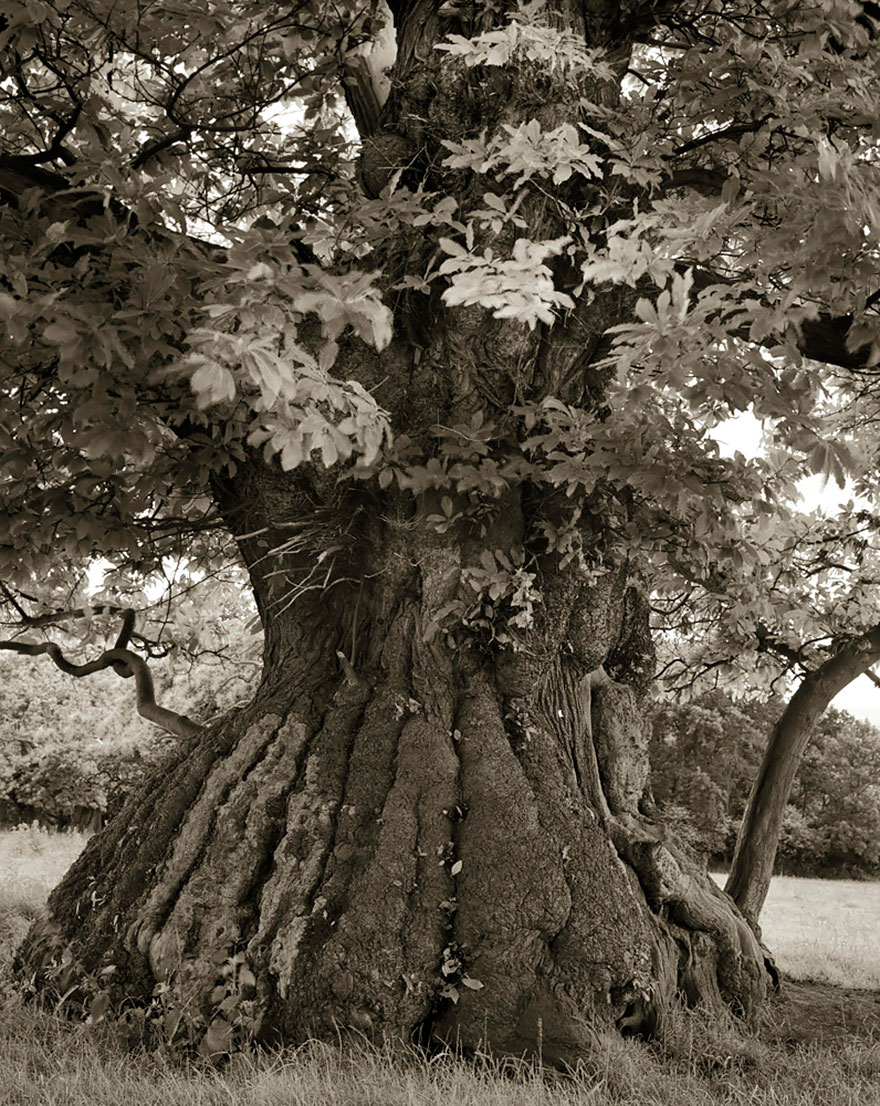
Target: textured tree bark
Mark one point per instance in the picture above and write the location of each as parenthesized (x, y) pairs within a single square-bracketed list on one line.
[(407, 833), (412, 831), (755, 854)]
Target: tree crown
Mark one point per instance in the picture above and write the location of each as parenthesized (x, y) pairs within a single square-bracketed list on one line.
[(211, 216)]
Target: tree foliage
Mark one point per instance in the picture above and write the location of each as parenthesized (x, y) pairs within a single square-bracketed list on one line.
[(728, 189), (831, 822)]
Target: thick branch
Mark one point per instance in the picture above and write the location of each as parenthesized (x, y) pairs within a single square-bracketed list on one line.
[(708, 182), (151, 149), (756, 845), (60, 201), (364, 77), (735, 130), (767, 643), (126, 664), (822, 339)]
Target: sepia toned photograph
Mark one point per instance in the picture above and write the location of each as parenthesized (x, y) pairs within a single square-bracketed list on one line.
[(439, 553)]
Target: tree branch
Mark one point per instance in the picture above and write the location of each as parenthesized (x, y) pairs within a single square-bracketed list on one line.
[(708, 182), (153, 648), (767, 643), (54, 618), (821, 339), (126, 664), (825, 339), (152, 149), (758, 838), (735, 130)]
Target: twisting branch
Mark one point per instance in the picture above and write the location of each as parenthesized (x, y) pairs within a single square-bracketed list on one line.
[(124, 663), (153, 648)]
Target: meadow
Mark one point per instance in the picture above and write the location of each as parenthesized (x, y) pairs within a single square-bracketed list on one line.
[(824, 930), (820, 930)]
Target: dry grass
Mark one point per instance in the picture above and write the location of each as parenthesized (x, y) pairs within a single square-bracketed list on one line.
[(37, 857), (825, 930), (46, 1061), (49, 1062), (32, 861)]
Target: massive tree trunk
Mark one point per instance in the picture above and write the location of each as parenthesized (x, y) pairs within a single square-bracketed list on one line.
[(418, 830), (406, 832)]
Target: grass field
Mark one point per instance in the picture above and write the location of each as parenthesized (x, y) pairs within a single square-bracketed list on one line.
[(820, 930), (826, 930)]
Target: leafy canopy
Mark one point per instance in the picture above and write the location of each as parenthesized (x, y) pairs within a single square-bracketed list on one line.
[(190, 252)]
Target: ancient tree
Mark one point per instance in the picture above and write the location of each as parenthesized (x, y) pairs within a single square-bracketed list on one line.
[(431, 307)]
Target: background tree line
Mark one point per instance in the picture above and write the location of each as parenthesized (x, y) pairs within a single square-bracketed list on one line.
[(704, 756), (71, 750)]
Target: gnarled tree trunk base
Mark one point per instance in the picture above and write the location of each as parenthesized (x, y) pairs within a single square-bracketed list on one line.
[(405, 852), (411, 831)]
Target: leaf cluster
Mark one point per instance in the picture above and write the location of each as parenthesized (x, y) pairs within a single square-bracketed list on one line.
[(192, 269)]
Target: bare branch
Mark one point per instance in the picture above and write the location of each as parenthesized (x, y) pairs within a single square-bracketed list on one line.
[(126, 664)]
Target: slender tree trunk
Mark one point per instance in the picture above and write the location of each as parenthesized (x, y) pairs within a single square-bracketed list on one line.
[(758, 838)]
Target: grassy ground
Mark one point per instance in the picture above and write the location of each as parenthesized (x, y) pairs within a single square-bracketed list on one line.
[(824, 930), (32, 861), (820, 1046)]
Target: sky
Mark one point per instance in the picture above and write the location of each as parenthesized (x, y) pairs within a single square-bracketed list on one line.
[(862, 697)]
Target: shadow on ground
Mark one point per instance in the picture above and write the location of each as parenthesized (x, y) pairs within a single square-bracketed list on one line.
[(822, 1013)]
